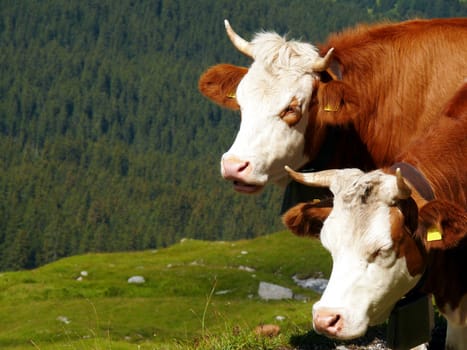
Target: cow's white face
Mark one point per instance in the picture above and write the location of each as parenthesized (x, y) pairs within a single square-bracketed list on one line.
[(273, 97), (366, 237), (272, 129)]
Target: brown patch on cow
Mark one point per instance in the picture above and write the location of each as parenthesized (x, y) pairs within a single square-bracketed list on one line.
[(306, 219), (405, 243), (219, 84), (449, 219), (333, 146), (267, 330), (338, 104), (441, 153), (447, 257), (396, 101)]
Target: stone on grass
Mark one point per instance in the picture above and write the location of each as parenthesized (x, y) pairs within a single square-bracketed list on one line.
[(316, 284), (270, 291), (136, 279), (63, 319)]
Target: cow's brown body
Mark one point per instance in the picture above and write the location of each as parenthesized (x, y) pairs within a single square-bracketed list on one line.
[(441, 156), (395, 80)]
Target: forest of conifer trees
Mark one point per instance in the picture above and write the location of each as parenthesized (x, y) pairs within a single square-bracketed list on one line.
[(106, 144)]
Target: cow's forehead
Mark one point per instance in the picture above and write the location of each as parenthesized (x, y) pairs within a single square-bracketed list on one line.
[(365, 228), (261, 87), (357, 189), (281, 70), (361, 213), (277, 54)]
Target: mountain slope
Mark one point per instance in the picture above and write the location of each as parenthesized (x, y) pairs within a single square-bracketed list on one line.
[(53, 309)]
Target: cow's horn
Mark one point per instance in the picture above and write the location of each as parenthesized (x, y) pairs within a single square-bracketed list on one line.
[(241, 44), (403, 190), (319, 179), (322, 63)]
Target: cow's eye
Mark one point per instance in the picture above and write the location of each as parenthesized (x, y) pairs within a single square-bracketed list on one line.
[(292, 114), (383, 256), (382, 253), (288, 110)]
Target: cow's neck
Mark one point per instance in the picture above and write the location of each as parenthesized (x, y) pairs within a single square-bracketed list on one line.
[(450, 295)]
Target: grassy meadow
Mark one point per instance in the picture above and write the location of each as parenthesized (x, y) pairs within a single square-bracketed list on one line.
[(197, 295)]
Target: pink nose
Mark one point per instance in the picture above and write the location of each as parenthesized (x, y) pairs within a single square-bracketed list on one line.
[(235, 169), (327, 322)]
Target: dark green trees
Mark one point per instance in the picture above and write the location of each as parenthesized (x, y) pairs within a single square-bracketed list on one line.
[(105, 142)]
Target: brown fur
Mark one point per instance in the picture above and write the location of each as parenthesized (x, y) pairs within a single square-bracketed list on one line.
[(219, 83), (446, 275), (441, 154), (404, 222), (342, 100), (306, 219), (446, 217), (403, 75)]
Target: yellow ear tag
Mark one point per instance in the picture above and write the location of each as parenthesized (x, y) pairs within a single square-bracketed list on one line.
[(231, 95), (329, 108), (433, 235)]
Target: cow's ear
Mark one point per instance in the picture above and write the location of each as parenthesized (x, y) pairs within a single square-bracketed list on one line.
[(334, 70), (337, 102), (306, 219), (219, 84), (442, 225)]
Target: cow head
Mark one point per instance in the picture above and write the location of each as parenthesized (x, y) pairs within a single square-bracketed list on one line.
[(274, 97), (378, 239)]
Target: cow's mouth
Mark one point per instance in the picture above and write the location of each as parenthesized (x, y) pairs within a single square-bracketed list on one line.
[(243, 187)]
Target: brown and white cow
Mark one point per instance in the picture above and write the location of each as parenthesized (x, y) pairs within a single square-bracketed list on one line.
[(386, 230), (379, 86)]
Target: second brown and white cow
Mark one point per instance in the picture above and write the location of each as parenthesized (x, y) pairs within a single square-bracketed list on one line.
[(389, 227)]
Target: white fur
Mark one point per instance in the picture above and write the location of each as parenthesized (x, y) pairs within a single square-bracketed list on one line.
[(456, 336)]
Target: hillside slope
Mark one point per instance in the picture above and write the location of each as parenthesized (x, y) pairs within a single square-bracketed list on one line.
[(50, 308)]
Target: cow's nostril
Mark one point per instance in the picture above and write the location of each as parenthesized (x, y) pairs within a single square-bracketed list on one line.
[(334, 320), (327, 322), (235, 169), (244, 166)]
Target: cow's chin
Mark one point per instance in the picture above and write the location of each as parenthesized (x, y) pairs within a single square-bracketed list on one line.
[(348, 335), (246, 188), (349, 332)]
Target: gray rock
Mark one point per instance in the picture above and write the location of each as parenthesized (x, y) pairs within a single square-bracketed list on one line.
[(316, 284), (270, 291), (136, 279)]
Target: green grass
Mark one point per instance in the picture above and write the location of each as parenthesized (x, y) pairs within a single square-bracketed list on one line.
[(177, 308)]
